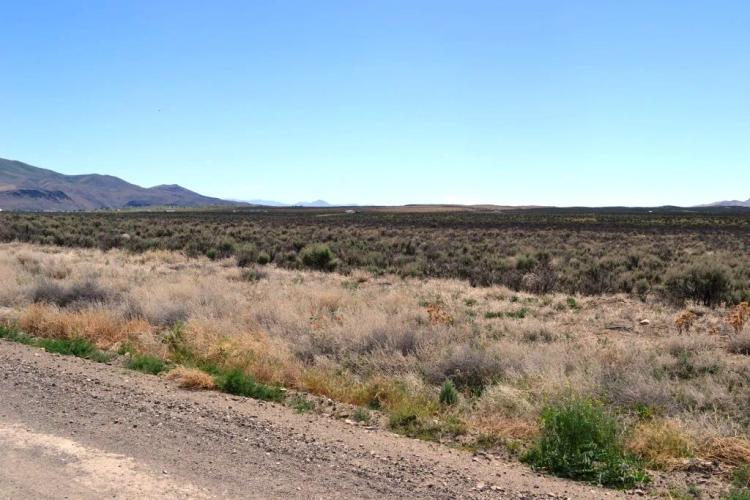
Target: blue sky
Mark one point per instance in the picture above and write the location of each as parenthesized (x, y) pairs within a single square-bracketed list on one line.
[(387, 101)]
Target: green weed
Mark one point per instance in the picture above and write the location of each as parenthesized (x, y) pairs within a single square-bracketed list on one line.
[(580, 441)]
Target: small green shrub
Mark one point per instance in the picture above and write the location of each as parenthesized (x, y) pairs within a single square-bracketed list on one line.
[(78, 347), (518, 314), (263, 259), (223, 248), (741, 476), (738, 494), (238, 383), (318, 256), (641, 289), (81, 348), (246, 255), (253, 275), (580, 441), (705, 283), (448, 394), (302, 405), (147, 364), (362, 415), (572, 303), (15, 336), (428, 429)]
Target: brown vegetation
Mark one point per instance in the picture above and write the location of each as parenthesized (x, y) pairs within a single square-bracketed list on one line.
[(191, 378)]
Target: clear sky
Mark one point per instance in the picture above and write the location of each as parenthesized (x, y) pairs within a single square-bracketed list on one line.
[(601, 102)]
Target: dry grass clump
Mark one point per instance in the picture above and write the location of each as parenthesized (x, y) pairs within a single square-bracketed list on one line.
[(506, 411), (99, 326), (730, 450), (191, 378), (740, 344), (684, 321), (662, 443), (738, 316)]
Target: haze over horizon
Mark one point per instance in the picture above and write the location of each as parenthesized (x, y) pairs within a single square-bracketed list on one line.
[(512, 103)]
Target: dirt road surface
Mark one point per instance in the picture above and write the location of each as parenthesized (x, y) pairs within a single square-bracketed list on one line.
[(71, 428)]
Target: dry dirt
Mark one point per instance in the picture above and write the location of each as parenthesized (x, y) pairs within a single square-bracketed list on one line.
[(71, 428)]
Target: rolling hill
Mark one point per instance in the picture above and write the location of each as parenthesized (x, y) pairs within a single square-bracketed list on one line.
[(28, 188)]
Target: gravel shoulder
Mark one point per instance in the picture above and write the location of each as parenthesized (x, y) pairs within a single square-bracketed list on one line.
[(71, 428)]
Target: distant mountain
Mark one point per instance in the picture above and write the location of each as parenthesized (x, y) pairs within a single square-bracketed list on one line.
[(307, 204), (729, 203), (267, 203), (313, 204), (29, 188)]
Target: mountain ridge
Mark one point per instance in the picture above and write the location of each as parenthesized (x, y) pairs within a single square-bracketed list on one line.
[(26, 187), (729, 203)]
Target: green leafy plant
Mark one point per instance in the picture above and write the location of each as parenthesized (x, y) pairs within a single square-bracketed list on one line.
[(81, 348), (147, 364), (238, 383), (580, 441), (302, 405), (78, 347)]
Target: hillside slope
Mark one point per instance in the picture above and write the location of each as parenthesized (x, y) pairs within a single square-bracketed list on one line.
[(29, 188)]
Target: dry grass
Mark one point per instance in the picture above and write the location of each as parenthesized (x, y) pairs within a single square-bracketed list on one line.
[(663, 444), (99, 326), (734, 451), (191, 378), (390, 343)]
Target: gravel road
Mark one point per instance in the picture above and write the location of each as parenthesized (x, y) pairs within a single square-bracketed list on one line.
[(71, 428)]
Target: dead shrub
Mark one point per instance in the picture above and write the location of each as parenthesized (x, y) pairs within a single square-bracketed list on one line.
[(739, 344), (738, 316), (191, 378), (438, 315), (469, 367), (79, 294), (684, 321), (506, 401), (393, 338)]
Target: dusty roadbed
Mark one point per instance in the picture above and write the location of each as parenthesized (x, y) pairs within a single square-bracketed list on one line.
[(80, 429)]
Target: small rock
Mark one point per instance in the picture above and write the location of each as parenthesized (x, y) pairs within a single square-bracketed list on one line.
[(645, 322)]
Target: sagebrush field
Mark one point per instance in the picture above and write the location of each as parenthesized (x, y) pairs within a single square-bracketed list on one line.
[(589, 252), (639, 319)]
